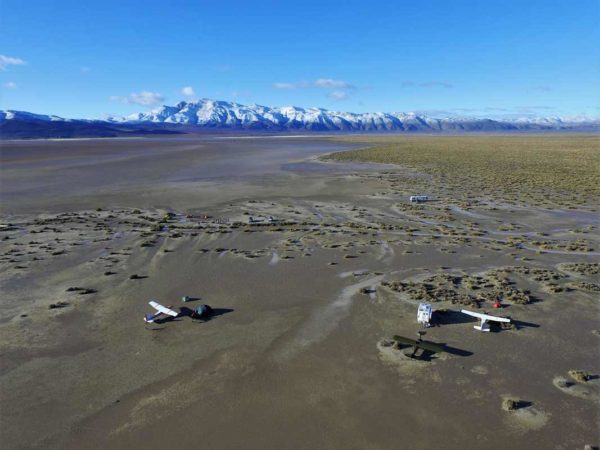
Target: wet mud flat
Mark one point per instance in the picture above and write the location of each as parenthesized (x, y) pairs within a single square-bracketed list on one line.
[(332, 264)]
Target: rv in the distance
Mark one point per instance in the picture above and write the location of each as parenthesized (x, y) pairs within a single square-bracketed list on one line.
[(418, 198)]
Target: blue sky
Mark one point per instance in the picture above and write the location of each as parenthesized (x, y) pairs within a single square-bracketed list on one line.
[(481, 58)]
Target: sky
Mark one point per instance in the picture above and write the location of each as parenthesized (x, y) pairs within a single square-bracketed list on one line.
[(85, 59)]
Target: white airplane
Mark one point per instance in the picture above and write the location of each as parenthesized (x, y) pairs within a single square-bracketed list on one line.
[(150, 318), (483, 326)]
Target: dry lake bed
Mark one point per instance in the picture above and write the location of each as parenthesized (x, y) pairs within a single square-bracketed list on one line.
[(298, 352)]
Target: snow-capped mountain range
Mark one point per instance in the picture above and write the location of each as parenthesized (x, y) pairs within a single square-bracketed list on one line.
[(208, 113), (211, 113)]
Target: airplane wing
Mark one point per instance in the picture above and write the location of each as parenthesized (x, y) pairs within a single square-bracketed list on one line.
[(470, 313), (485, 317), (154, 304), (162, 309), (435, 348), (404, 340), (170, 312), (432, 347)]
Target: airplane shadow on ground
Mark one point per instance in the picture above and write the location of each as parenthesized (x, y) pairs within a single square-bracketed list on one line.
[(424, 355), (518, 324), (523, 324), (428, 355), (167, 319), (450, 317), (184, 311), (456, 351), (523, 404), (420, 354)]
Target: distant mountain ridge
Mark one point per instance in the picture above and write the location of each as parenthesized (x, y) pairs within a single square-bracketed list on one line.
[(25, 125), (213, 114)]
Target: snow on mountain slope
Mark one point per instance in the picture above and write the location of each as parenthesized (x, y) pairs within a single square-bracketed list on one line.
[(212, 113), (208, 113), (23, 115)]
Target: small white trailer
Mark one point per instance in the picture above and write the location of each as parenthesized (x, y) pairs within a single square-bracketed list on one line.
[(424, 313), (418, 198)]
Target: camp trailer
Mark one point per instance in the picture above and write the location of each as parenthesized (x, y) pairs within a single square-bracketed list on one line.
[(424, 313)]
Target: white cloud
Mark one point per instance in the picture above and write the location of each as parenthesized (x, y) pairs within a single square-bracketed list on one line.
[(236, 95), (427, 84), (144, 98), (329, 83), (338, 95), (494, 109), (285, 85), (6, 61), (323, 83), (188, 91), (533, 108), (10, 85)]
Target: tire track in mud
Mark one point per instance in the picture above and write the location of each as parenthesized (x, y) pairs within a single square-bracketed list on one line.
[(324, 320)]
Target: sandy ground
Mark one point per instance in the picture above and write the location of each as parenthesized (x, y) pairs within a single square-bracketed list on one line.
[(293, 357)]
